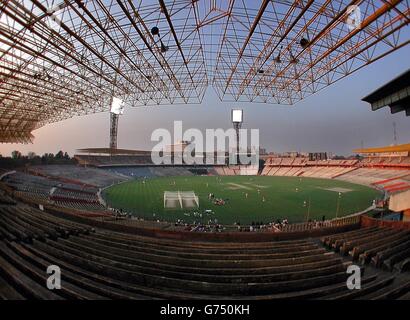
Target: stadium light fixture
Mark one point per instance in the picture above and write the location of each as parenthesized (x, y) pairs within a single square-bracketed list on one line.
[(237, 116), (293, 59), (155, 31), (304, 43), (117, 106), (277, 59), (164, 48)]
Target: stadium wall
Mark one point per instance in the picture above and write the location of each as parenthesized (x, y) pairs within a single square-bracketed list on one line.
[(207, 237), (366, 221)]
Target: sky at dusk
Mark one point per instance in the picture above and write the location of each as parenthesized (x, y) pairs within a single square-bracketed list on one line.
[(332, 120)]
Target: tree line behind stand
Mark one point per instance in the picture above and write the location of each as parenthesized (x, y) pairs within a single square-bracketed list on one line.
[(17, 159)]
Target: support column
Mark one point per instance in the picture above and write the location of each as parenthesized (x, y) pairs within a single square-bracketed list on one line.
[(113, 130), (406, 215), (237, 126)]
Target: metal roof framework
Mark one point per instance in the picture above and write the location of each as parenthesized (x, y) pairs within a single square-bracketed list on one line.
[(61, 58)]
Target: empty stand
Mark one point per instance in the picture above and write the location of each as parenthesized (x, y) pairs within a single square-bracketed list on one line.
[(380, 246), (368, 171), (102, 264)]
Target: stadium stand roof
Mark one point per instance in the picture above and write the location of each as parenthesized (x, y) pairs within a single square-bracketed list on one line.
[(395, 94), (111, 151), (396, 148), (59, 61)]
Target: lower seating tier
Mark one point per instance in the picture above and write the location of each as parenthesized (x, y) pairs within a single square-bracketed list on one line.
[(101, 264)]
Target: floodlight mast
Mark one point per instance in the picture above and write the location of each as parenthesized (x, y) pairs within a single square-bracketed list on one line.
[(117, 108), (115, 112), (113, 130), (237, 119)]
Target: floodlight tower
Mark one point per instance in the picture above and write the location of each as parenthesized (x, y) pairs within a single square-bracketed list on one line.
[(117, 108), (395, 133), (237, 119), (113, 130)]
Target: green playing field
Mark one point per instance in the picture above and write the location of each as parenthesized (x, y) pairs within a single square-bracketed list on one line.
[(247, 198)]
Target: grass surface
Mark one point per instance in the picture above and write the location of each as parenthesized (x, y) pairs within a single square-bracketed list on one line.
[(281, 198)]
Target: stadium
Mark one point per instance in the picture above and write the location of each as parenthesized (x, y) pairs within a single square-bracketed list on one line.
[(195, 220)]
